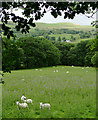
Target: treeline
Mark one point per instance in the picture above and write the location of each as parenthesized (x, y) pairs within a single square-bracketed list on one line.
[(30, 52)]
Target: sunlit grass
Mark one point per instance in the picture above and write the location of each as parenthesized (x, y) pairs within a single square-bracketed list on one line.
[(71, 95)]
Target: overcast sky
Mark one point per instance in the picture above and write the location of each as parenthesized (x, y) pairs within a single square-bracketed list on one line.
[(79, 19), (48, 18)]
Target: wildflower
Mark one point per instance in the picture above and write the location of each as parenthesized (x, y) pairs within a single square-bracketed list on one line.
[(93, 83)]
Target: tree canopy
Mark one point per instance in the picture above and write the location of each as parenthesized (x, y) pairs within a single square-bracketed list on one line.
[(35, 10)]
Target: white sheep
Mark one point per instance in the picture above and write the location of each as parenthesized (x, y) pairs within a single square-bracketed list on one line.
[(22, 105), (28, 101), (46, 105), (23, 98), (67, 72)]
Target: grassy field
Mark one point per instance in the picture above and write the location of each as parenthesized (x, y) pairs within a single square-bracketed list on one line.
[(63, 26), (71, 95)]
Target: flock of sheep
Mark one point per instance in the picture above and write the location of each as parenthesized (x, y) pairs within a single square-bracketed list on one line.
[(25, 105), (25, 101)]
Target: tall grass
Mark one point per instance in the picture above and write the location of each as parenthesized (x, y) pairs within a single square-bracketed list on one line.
[(71, 95)]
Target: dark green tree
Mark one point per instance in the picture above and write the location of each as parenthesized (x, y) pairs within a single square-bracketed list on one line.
[(39, 52), (59, 38), (12, 55), (64, 38), (64, 48)]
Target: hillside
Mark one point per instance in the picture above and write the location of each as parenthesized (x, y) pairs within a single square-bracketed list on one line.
[(52, 31), (58, 26), (63, 26)]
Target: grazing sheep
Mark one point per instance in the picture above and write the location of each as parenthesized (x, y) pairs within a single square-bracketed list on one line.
[(22, 105), (67, 72), (57, 71), (87, 67), (28, 101), (22, 79), (23, 98), (46, 105)]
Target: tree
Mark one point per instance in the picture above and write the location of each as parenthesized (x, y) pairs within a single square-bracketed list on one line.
[(59, 38), (93, 60), (12, 55), (53, 38), (39, 52), (35, 10), (64, 49), (64, 38)]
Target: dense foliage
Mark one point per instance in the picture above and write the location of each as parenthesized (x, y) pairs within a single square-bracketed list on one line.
[(78, 55), (30, 52)]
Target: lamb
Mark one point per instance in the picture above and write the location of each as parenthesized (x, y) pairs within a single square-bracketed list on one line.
[(46, 105), (67, 72), (28, 101), (22, 105), (23, 98)]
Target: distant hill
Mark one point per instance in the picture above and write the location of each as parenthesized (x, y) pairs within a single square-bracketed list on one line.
[(63, 26), (58, 26), (73, 32)]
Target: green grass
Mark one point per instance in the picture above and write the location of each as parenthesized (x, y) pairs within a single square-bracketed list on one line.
[(71, 95), (63, 26)]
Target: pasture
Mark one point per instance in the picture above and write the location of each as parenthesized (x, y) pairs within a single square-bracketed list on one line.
[(71, 95)]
